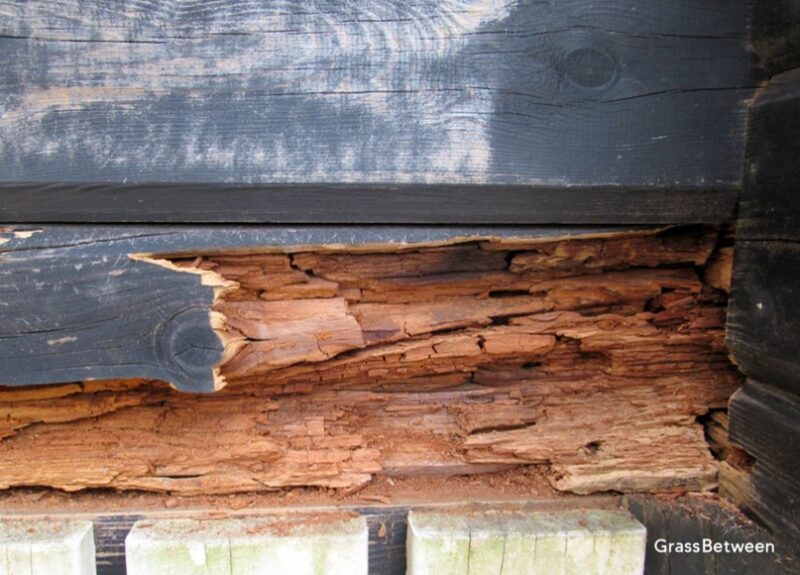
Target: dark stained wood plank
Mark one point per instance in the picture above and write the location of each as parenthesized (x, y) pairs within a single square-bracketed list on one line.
[(770, 204), (77, 306), (763, 328), (765, 421), (776, 34), (110, 532), (764, 316), (547, 96), (92, 312), (686, 525), (364, 204), (656, 519), (690, 520)]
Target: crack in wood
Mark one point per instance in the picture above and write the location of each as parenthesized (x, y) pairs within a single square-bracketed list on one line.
[(380, 359)]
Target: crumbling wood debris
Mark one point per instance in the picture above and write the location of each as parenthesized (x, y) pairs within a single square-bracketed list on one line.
[(592, 358)]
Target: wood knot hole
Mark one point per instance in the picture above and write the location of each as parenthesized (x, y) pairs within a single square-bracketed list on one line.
[(187, 345), (590, 68)]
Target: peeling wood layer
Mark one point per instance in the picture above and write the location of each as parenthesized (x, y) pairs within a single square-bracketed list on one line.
[(104, 302), (591, 357)]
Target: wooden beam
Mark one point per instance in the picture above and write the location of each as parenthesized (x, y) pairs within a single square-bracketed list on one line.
[(763, 316), (545, 111), (764, 319), (684, 520), (764, 421), (592, 355), (451, 204), (776, 34), (770, 204), (691, 520), (83, 305)]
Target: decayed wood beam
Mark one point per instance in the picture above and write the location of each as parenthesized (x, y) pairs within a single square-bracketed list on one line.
[(115, 306), (590, 356), (306, 112), (104, 302)]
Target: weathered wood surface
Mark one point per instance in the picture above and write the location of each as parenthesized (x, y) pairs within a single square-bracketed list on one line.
[(574, 97), (387, 535), (776, 34), (684, 519), (770, 204), (763, 316), (765, 421), (386, 523), (591, 356), (690, 520), (78, 306)]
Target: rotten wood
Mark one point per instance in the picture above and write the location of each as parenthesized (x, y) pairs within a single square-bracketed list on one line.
[(590, 356), (103, 302)]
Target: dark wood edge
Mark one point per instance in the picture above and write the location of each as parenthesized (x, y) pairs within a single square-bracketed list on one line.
[(362, 204)]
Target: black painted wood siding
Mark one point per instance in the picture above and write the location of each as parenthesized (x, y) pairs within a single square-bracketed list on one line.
[(763, 330), (568, 111)]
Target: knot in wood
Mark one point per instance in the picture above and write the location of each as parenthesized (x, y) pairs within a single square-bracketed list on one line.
[(590, 68), (188, 348)]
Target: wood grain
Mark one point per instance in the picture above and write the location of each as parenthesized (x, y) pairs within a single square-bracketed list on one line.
[(82, 305), (684, 519), (128, 98), (591, 356), (763, 318), (386, 523), (691, 520), (764, 421), (364, 204), (776, 34), (770, 208)]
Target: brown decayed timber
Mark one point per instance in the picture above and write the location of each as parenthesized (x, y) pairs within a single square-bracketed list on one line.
[(590, 357)]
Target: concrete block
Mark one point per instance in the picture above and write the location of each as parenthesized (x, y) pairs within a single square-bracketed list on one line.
[(513, 542), (38, 547), (298, 544)]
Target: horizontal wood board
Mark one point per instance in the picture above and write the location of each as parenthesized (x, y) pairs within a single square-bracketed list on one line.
[(79, 307), (763, 315), (109, 108), (770, 205), (765, 421), (683, 520), (388, 204), (690, 520)]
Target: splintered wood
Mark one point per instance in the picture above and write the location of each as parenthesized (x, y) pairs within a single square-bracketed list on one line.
[(589, 357)]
